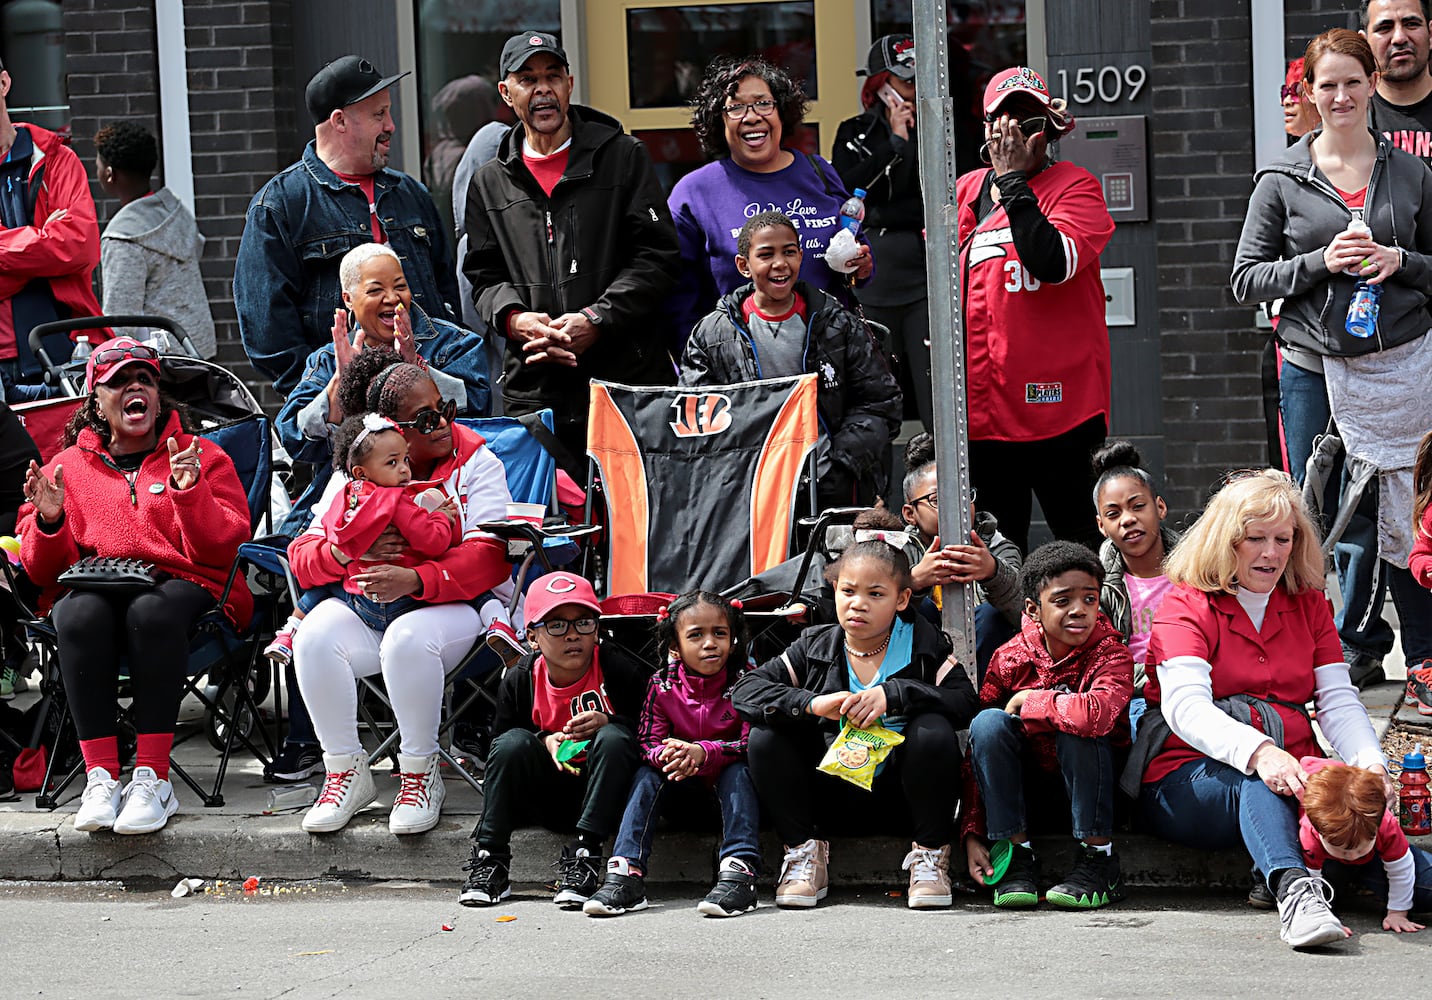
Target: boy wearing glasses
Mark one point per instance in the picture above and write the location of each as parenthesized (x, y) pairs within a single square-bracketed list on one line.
[(565, 744), (991, 562)]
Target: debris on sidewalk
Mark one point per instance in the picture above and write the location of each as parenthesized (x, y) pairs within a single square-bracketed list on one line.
[(186, 887)]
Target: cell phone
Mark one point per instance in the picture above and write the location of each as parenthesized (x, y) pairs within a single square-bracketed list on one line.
[(890, 95)]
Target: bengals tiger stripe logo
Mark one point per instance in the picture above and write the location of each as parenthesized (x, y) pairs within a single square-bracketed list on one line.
[(701, 414)]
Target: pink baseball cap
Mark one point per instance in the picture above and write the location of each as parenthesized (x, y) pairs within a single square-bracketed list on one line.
[(109, 357), (556, 589), (1023, 80)]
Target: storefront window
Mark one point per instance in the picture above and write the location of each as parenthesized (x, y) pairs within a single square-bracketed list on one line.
[(33, 46), (459, 43), (984, 38), (668, 48)]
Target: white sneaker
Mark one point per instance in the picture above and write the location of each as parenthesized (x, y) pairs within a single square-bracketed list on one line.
[(148, 803), (347, 787), (99, 805), (1306, 915), (420, 797)]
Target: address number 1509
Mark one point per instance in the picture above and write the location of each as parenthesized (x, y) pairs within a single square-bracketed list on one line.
[(1108, 83)]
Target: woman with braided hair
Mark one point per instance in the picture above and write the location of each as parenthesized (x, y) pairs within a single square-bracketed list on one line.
[(415, 648)]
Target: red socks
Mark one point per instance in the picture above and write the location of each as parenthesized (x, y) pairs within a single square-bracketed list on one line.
[(153, 751), (103, 752)]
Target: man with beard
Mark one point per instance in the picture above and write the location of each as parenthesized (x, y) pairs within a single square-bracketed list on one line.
[(1402, 107), (571, 248), (340, 194)]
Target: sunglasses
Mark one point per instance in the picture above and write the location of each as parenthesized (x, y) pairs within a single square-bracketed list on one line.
[(114, 355), (1287, 92), (557, 627), (428, 420)]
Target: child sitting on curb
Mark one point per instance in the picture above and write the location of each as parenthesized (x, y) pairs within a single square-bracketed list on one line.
[(1055, 703), (569, 692)]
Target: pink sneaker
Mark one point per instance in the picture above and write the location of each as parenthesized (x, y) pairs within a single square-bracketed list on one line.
[(280, 650)]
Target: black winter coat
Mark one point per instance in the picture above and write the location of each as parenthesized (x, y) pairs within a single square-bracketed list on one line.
[(604, 240), (868, 155), (777, 692), (624, 678), (859, 401)]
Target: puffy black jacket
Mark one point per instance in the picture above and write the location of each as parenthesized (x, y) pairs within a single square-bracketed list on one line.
[(603, 241), (859, 400)]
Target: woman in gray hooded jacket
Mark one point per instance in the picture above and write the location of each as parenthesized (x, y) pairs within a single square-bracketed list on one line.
[(150, 250)]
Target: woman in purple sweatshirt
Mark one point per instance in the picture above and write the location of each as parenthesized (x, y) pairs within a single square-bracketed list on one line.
[(741, 112), (689, 729)]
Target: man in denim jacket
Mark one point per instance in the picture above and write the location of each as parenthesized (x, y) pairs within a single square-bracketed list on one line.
[(340, 194)]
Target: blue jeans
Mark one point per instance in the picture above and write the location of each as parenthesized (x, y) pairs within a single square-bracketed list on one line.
[(740, 814), (999, 753), (1303, 400), (1366, 580), (1208, 804), (1137, 707), (1373, 877)]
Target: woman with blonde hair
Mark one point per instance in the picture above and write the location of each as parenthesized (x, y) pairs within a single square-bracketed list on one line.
[(1242, 643)]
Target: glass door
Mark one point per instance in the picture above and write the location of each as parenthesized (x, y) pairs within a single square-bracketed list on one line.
[(645, 58)]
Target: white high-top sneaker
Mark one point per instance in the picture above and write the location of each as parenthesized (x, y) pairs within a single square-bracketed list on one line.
[(347, 787), (99, 805), (420, 797), (149, 801)]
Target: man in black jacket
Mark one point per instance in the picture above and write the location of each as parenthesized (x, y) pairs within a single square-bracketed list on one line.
[(571, 248)]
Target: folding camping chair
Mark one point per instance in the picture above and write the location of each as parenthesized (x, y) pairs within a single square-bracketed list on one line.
[(702, 488), (225, 657)]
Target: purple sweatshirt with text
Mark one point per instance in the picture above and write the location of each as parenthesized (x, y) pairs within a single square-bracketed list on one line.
[(683, 705)]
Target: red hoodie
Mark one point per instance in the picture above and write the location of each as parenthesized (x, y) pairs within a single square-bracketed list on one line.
[(192, 534), (64, 252)]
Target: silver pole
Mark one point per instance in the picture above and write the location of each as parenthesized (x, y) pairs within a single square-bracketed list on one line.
[(935, 124)]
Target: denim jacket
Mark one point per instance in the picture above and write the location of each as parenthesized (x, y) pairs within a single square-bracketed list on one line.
[(299, 226), (450, 351)]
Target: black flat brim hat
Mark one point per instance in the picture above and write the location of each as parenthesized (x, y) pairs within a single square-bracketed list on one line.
[(893, 54), (343, 82)]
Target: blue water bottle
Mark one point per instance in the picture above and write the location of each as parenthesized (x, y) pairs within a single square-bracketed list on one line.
[(852, 213), (1362, 311)]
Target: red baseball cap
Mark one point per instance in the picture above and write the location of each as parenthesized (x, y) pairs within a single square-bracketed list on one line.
[(1023, 80), (114, 354), (556, 589)]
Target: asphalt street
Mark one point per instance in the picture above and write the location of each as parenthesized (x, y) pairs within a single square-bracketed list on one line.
[(387, 940)]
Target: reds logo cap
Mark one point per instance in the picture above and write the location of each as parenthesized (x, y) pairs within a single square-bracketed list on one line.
[(554, 590), (519, 48)]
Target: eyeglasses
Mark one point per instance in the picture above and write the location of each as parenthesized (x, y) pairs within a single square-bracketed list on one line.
[(933, 499), (134, 352), (557, 627), (736, 112), (1287, 92), (428, 420)]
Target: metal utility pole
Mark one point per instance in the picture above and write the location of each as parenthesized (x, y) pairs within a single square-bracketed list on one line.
[(935, 125)]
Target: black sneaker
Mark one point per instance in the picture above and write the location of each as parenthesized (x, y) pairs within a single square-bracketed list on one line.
[(1260, 897), (1018, 888), (486, 881), (579, 875), (295, 761), (733, 894), (619, 894), (1094, 882), (1364, 669)]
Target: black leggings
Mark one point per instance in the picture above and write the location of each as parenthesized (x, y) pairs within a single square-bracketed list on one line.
[(916, 791), (152, 629)]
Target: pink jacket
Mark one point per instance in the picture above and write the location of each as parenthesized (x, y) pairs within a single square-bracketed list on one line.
[(684, 705)]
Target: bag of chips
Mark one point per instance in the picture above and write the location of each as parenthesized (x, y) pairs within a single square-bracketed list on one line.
[(856, 753)]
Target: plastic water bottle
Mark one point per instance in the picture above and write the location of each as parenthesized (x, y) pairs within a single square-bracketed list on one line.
[(852, 213), (1362, 311), (289, 797), (1412, 798), (82, 349)]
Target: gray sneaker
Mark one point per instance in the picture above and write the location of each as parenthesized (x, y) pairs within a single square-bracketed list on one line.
[(1306, 914)]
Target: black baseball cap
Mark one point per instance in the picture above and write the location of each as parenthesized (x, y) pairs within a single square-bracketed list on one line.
[(520, 47), (346, 80), (893, 54)]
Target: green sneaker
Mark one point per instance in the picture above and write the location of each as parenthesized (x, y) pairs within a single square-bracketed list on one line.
[(1017, 888), (1094, 882), (7, 683)]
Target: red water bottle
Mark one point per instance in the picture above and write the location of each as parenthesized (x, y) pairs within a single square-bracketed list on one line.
[(1413, 798)]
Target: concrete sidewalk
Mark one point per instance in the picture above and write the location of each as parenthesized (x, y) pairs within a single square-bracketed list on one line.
[(236, 839)]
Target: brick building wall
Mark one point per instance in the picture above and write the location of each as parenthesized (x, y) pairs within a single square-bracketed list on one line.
[(1202, 136)]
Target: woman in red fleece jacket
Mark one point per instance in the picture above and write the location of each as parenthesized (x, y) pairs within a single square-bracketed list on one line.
[(132, 483)]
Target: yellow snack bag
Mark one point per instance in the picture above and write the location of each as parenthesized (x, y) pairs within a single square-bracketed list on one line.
[(857, 752)]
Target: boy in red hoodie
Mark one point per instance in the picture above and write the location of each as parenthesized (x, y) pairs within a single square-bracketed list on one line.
[(1055, 700)]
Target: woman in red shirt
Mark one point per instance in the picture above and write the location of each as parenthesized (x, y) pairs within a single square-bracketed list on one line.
[(1242, 643)]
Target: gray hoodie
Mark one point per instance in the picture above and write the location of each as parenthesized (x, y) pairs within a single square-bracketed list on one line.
[(1294, 214), (150, 255)]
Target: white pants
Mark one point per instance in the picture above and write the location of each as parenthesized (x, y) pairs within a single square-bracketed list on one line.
[(334, 647)]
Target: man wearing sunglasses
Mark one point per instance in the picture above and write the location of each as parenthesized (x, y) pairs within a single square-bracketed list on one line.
[(1401, 107), (1031, 231), (341, 194), (571, 248), (49, 244)]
